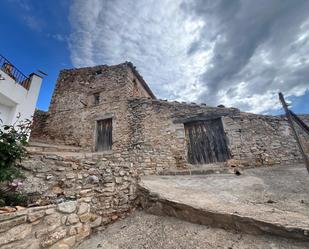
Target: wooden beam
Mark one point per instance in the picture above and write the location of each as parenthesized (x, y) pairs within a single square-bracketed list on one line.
[(300, 122), (290, 120), (201, 117)]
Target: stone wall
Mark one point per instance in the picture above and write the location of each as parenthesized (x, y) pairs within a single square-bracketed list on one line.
[(53, 226), (158, 136), (73, 112), (72, 116), (150, 132), (107, 184), (38, 123), (261, 140), (77, 192)]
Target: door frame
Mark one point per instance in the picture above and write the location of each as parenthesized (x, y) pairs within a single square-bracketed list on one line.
[(95, 130), (204, 120)]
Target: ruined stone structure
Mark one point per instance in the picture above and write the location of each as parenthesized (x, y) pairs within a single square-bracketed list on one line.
[(104, 129), (150, 132)]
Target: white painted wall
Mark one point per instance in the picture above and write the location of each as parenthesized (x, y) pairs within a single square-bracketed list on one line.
[(5, 112), (15, 99)]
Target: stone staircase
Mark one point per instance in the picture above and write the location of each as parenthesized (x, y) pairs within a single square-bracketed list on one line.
[(56, 150), (245, 203), (43, 147)]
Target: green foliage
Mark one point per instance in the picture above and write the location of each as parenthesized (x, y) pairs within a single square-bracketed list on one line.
[(13, 199), (13, 138)]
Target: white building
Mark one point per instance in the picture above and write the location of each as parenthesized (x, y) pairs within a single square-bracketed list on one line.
[(18, 93)]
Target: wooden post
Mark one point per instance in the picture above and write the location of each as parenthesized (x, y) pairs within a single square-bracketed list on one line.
[(289, 116)]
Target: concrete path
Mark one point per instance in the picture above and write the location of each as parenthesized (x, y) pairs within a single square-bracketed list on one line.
[(262, 200), (141, 230)]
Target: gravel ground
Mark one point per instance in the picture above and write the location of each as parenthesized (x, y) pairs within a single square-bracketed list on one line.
[(142, 230)]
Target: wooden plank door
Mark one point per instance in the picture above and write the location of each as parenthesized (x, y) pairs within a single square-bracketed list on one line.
[(104, 135), (206, 142)]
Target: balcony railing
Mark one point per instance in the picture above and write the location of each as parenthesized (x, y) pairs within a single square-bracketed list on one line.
[(7, 67)]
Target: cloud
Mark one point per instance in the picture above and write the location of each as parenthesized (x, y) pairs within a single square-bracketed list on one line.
[(33, 22), (155, 37), (28, 14), (260, 48), (57, 37), (24, 4), (237, 53)]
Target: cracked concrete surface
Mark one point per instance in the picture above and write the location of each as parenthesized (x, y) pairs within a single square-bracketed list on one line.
[(142, 230)]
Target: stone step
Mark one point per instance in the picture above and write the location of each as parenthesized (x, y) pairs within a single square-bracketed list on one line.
[(207, 200), (43, 147), (199, 170), (61, 152)]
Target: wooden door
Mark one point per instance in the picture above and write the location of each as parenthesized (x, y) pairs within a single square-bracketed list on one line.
[(206, 142), (104, 135)]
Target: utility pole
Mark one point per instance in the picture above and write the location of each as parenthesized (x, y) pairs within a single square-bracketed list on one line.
[(290, 120)]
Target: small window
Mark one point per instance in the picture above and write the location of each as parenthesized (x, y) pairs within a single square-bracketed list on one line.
[(135, 89), (104, 138), (98, 72), (96, 97)]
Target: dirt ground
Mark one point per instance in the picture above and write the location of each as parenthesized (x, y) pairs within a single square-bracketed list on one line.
[(142, 230)]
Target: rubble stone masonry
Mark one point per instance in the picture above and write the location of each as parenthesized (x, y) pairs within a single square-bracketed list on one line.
[(151, 131)]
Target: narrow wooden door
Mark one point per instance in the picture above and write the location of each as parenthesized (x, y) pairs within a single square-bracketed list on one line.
[(104, 135), (206, 142)]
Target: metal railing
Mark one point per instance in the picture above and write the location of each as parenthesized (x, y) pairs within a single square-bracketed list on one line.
[(7, 67)]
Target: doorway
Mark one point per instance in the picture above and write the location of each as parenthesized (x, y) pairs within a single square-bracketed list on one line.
[(104, 138), (206, 142)]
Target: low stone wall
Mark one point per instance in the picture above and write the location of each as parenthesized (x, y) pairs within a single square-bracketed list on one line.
[(107, 184), (53, 226)]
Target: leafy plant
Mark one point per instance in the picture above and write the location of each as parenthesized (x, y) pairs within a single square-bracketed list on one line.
[(10, 195), (13, 138)]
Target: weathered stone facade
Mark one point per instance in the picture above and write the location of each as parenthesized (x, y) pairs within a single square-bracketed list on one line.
[(254, 140), (158, 135), (150, 132), (73, 114)]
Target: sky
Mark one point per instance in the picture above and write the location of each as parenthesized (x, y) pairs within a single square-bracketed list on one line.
[(239, 53)]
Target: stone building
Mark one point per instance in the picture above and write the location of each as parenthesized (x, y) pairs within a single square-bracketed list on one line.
[(110, 110)]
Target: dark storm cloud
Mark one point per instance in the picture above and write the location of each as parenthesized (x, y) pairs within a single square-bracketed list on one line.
[(234, 52), (243, 29)]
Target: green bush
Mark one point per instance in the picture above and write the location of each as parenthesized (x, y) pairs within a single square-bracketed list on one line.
[(14, 198), (13, 138)]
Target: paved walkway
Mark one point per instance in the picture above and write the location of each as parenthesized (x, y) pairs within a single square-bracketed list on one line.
[(142, 230), (276, 196)]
